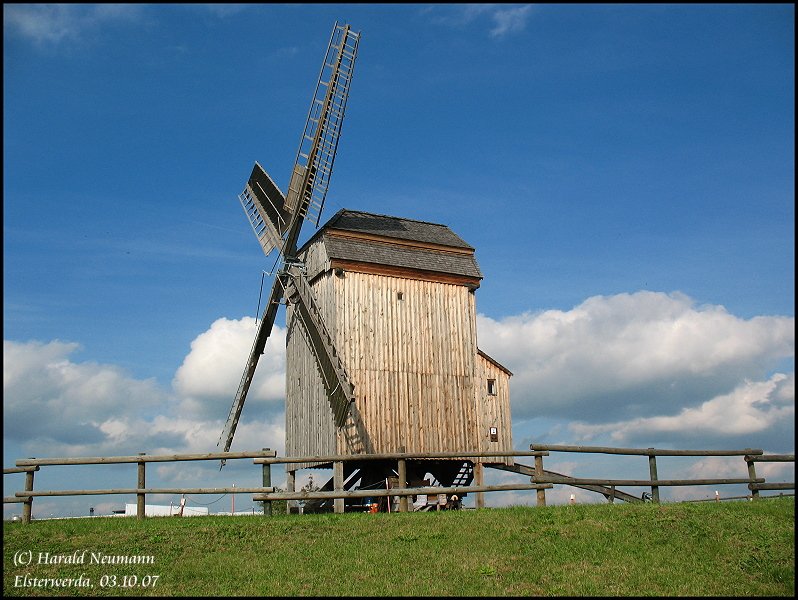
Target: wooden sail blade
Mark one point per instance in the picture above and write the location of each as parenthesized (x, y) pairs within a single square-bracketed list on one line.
[(264, 205), (339, 389), (317, 147), (262, 335)]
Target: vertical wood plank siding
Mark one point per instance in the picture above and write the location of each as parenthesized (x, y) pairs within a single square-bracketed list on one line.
[(495, 409), (420, 385)]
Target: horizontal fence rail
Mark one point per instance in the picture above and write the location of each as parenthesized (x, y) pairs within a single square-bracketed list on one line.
[(750, 455), (377, 493), (642, 451), (30, 465), (142, 458), (541, 480)]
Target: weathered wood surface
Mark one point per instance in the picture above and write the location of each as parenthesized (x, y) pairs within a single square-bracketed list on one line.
[(771, 458), (771, 486), (408, 345), (639, 482), (430, 491), (144, 491), (643, 451), (19, 470), (323, 459), (604, 490), (102, 460)]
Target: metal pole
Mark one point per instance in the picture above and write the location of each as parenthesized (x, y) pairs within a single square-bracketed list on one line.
[(652, 469), (541, 494), (27, 507), (267, 482), (141, 485), (402, 471)]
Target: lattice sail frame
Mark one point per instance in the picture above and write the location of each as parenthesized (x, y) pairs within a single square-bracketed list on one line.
[(268, 211), (274, 217), (319, 140)]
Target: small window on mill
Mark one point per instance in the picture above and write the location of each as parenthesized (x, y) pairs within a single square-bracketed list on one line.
[(400, 295), (491, 387)]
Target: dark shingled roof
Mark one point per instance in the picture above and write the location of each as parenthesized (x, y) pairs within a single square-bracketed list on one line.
[(397, 254), (396, 227)]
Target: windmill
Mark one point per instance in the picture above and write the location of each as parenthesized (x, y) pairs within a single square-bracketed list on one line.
[(381, 341), (277, 220)]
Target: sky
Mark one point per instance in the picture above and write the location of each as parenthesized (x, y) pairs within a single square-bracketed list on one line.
[(625, 173)]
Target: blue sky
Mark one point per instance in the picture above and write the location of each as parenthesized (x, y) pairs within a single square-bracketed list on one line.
[(625, 173)]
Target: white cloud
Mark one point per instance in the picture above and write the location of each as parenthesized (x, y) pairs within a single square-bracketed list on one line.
[(48, 396), (211, 372), (506, 19), (646, 366), (753, 407), (56, 23), (510, 20), (83, 408), (631, 356)]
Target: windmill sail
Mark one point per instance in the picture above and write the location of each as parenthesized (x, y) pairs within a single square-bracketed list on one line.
[(264, 205), (340, 391), (319, 141), (277, 221)]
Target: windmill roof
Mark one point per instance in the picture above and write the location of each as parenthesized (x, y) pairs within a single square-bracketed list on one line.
[(396, 242), (395, 227)]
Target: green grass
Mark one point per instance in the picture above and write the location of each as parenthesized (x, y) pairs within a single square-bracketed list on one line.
[(689, 549)]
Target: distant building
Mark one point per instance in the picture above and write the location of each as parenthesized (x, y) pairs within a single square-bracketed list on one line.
[(154, 510)]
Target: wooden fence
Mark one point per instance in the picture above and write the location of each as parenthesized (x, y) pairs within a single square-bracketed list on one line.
[(30, 465), (265, 493), (750, 455), (541, 480)]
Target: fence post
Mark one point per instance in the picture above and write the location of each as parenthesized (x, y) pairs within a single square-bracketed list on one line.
[(290, 483), (652, 469), (479, 478), (267, 482), (541, 494), (27, 506), (751, 474), (140, 498), (402, 472), (338, 485)]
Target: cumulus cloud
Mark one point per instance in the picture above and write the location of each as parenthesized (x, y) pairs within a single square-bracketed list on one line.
[(211, 372), (637, 369), (85, 408), (56, 23), (751, 408), (46, 395), (631, 356)]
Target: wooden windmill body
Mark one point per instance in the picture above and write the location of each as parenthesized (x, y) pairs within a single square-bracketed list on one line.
[(398, 298), (382, 352)]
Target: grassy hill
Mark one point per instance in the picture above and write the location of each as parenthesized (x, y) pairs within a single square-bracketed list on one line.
[(688, 549)]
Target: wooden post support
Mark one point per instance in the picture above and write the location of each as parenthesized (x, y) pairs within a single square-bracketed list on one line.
[(338, 485), (652, 469), (267, 482), (752, 475), (612, 495), (140, 498), (539, 473), (402, 471), (479, 479), (290, 483), (27, 507)]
